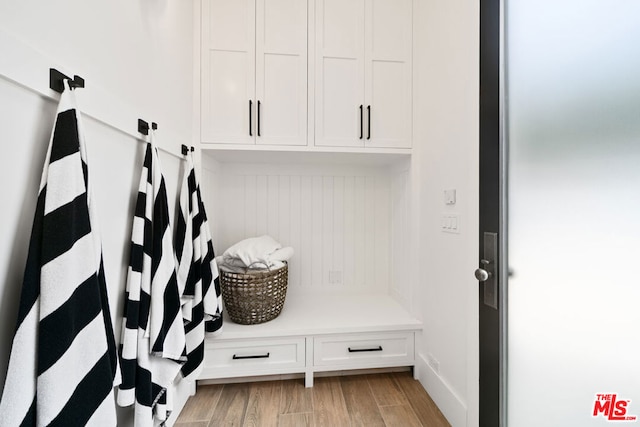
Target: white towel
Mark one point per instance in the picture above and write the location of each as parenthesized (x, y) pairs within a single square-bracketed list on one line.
[(282, 254), (63, 363), (153, 338), (257, 253), (197, 272)]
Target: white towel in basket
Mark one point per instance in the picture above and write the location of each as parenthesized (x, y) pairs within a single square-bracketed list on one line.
[(263, 253)]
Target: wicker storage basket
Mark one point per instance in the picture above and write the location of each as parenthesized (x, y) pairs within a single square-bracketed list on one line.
[(254, 297)]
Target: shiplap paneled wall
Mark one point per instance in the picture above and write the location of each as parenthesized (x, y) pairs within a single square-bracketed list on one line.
[(338, 219), (402, 256)]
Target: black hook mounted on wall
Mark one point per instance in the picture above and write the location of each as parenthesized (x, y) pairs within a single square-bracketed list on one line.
[(56, 80), (185, 149), (143, 127)]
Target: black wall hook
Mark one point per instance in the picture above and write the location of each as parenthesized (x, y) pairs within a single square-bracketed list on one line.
[(143, 127), (56, 80), (185, 149)]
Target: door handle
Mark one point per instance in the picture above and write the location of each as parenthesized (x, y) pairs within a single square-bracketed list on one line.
[(258, 118), (361, 121), (250, 113), (482, 275), (368, 121), (487, 274)]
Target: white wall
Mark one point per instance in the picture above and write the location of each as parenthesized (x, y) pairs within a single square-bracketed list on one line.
[(136, 57), (446, 157)]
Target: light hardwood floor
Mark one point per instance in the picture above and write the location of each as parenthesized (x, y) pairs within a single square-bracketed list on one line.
[(388, 399)]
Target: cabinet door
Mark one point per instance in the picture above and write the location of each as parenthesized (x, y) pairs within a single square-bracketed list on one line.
[(388, 73), (228, 71), (281, 72), (339, 90)]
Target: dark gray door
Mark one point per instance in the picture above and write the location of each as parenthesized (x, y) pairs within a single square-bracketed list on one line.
[(490, 296)]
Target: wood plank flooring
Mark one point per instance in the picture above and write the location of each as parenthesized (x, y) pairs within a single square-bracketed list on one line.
[(385, 400)]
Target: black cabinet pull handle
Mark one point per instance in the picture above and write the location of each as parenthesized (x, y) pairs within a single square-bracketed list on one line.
[(258, 118), (368, 121), (252, 356), (359, 350), (361, 122), (250, 112)]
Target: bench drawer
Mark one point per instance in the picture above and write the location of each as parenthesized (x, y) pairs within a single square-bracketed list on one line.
[(230, 358), (364, 350)]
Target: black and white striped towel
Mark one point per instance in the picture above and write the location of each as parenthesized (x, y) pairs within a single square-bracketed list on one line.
[(153, 339), (197, 272), (63, 364)]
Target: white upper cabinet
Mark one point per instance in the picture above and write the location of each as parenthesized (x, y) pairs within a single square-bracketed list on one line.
[(254, 72), (363, 73), (340, 63)]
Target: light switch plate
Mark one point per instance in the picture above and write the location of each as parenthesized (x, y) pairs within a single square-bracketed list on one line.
[(450, 197), (450, 223)]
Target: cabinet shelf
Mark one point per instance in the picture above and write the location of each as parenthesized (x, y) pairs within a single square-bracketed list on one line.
[(232, 153)]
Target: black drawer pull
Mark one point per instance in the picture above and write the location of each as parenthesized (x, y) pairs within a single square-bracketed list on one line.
[(358, 350), (252, 356)]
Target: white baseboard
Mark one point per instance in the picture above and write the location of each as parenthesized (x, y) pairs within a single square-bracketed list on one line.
[(183, 390), (450, 404), (259, 378)]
